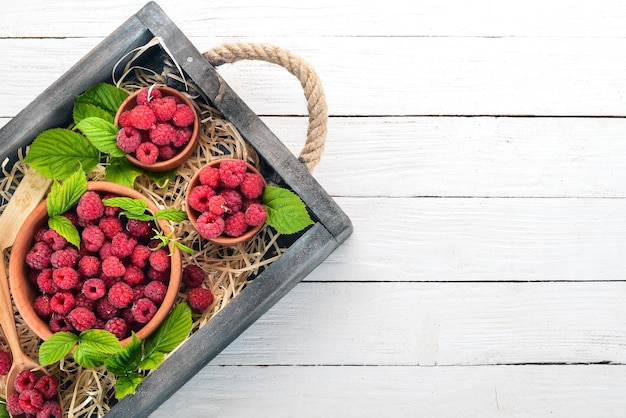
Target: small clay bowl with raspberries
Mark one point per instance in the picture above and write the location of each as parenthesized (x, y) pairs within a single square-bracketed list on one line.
[(104, 284), (223, 201), (158, 128)]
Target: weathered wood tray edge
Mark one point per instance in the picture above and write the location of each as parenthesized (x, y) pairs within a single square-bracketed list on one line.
[(332, 226)]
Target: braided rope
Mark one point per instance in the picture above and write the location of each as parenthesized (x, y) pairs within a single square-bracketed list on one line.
[(313, 91)]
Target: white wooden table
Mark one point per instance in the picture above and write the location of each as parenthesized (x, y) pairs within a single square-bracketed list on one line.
[(480, 151)]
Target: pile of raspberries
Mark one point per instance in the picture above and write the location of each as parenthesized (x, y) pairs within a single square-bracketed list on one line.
[(115, 281), (34, 396), (227, 199), (157, 128)]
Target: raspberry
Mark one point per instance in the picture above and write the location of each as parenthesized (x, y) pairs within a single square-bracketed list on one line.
[(40, 233), (155, 291), (105, 309), (110, 226), (162, 133), (143, 310), (65, 278), (105, 251), (141, 117), (38, 257), (47, 386), (199, 198), (120, 295), (5, 363), (25, 380), (232, 172), (59, 323), (122, 245), (183, 116), (193, 275), (160, 260), (64, 258), (89, 206), (252, 185), (50, 409), (111, 211), (113, 267), (147, 153), (147, 95), (89, 266), (128, 139), (81, 319), (138, 292), (161, 276), (210, 226), (82, 301), (42, 307), (233, 200), (183, 135), (92, 238), (124, 119), (163, 108), (199, 298), (13, 405), (116, 326), (217, 205), (166, 152), (109, 280), (134, 275), (245, 204), (54, 240), (94, 289), (255, 214), (31, 401), (45, 283), (138, 228), (140, 255), (62, 302), (209, 176), (235, 225)]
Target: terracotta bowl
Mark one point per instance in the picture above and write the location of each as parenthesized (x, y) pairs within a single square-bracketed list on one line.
[(24, 291), (194, 214), (182, 154)]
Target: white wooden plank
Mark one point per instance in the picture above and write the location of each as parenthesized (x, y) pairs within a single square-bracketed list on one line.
[(386, 75), (63, 18), (480, 240), (438, 324), (532, 391)]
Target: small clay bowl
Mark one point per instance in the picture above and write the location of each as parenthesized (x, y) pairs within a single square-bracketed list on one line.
[(24, 292), (182, 154), (193, 214)]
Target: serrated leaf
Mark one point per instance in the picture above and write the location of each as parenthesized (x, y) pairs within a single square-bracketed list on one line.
[(286, 213), (121, 171), (3, 411), (102, 134), (127, 359), (127, 204), (63, 197), (126, 385), (161, 178), (66, 229), (152, 361), (56, 347), (87, 110), (100, 340), (58, 153), (88, 356), (172, 214), (172, 331), (103, 95)]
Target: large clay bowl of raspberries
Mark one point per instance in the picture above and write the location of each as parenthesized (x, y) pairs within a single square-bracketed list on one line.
[(223, 201), (158, 128), (117, 280)]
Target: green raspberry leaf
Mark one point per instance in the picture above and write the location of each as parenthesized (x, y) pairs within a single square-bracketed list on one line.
[(102, 134), (127, 204), (121, 171), (58, 153), (100, 340), (126, 360), (172, 331), (152, 361), (286, 213), (87, 110), (63, 197), (126, 385), (3, 411), (103, 95), (66, 229), (56, 347), (88, 356), (172, 214)]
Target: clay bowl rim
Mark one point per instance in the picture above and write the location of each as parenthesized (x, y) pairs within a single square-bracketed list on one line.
[(18, 269), (193, 214), (178, 159)]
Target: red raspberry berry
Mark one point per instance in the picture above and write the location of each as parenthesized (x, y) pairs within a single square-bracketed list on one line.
[(45, 283), (163, 108), (162, 133), (13, 405), (92, 238), (124, 119), (147, 153), (113, 267), (62, 302), (116, 326), (105, 251), (31, 401), (155, 291), (166, 152), (233, 198), (89, 266), (111, 226), (59, 323), (217, 205), (122, 245), (183, 116), (235, 225), (143, 310), (105, 309), (42, 307), (38, 257), (94, 289), (47, 386), (65, 278), (255, 214), (128, 139), (209, 225), (81, 319), (209, 176), (161, 276), (82, 301), (252, 185), (25, 380), (89, 206), (140, 255), (5, 363), (183, 135), (232, 172), (120, 295), (67, 257), (193, 275), (50, 409), (160, 260), (138, 228), (199, 298), (134, 276), (142, 117), (54, 239), (147, 95), (199, 198)]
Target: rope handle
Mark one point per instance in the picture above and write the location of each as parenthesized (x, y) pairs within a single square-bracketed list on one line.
[(303, 71)]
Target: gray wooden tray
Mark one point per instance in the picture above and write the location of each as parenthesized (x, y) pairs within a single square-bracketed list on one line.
[(53, 108)]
